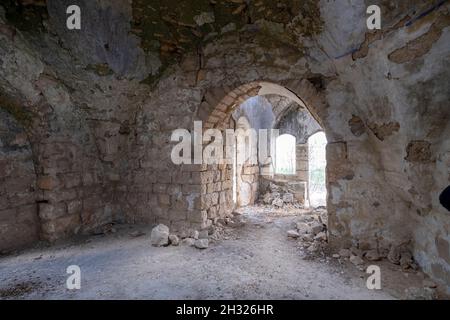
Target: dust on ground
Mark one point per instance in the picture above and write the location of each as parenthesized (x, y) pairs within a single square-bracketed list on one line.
[(251, 257)]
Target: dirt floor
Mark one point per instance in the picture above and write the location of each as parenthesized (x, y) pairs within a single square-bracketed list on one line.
[(253, 259)]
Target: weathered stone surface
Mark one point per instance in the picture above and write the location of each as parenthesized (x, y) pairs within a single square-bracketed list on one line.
[(201, 243), (188, 241), (303, 227), (278, 202), (19, 221), (173, 239), (356, 260), (159, 236), (293, 234), (321, 236), (316, 227), (288, 198)]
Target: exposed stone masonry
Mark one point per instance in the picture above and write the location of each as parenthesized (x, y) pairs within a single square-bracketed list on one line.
[(87, 116)]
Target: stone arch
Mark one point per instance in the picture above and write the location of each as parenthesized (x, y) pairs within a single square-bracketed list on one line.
[(219, 102), (287, 122)]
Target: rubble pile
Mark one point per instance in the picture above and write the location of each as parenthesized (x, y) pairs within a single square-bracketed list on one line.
[(222, 230), (279, 195), (311, 230)]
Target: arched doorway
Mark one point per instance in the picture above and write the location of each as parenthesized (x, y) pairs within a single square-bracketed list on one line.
[(221, 118)]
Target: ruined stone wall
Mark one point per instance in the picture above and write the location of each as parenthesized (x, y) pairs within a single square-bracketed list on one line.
[(72, 194), (19, 222), (401, 107)]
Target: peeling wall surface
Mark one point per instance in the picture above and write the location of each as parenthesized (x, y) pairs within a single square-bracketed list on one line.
[(98, 107)]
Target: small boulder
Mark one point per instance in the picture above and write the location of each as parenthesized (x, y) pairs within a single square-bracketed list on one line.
[(273, 187), (356, 260), (321, 236), (293, 234), (314, 247), (278, 202), (308, 237), (173, 239), (194, 234), (160, 235), (303, 228), (188, 242), (267, 199), (201, 243), (288, 198), (316, 227)]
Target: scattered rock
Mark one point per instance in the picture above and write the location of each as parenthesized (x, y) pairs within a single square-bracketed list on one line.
[(293, 234), (267, 199), (288, 198), (321, 236), (303, 227), (316, 227), (336, 256), (308, 237), (313, 248), (173, 238), (201, 243), (188, 241), (160, 235), (273, 187), (356, 251), (278, 202), (204, 17), (194, 234), (356, 260)]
